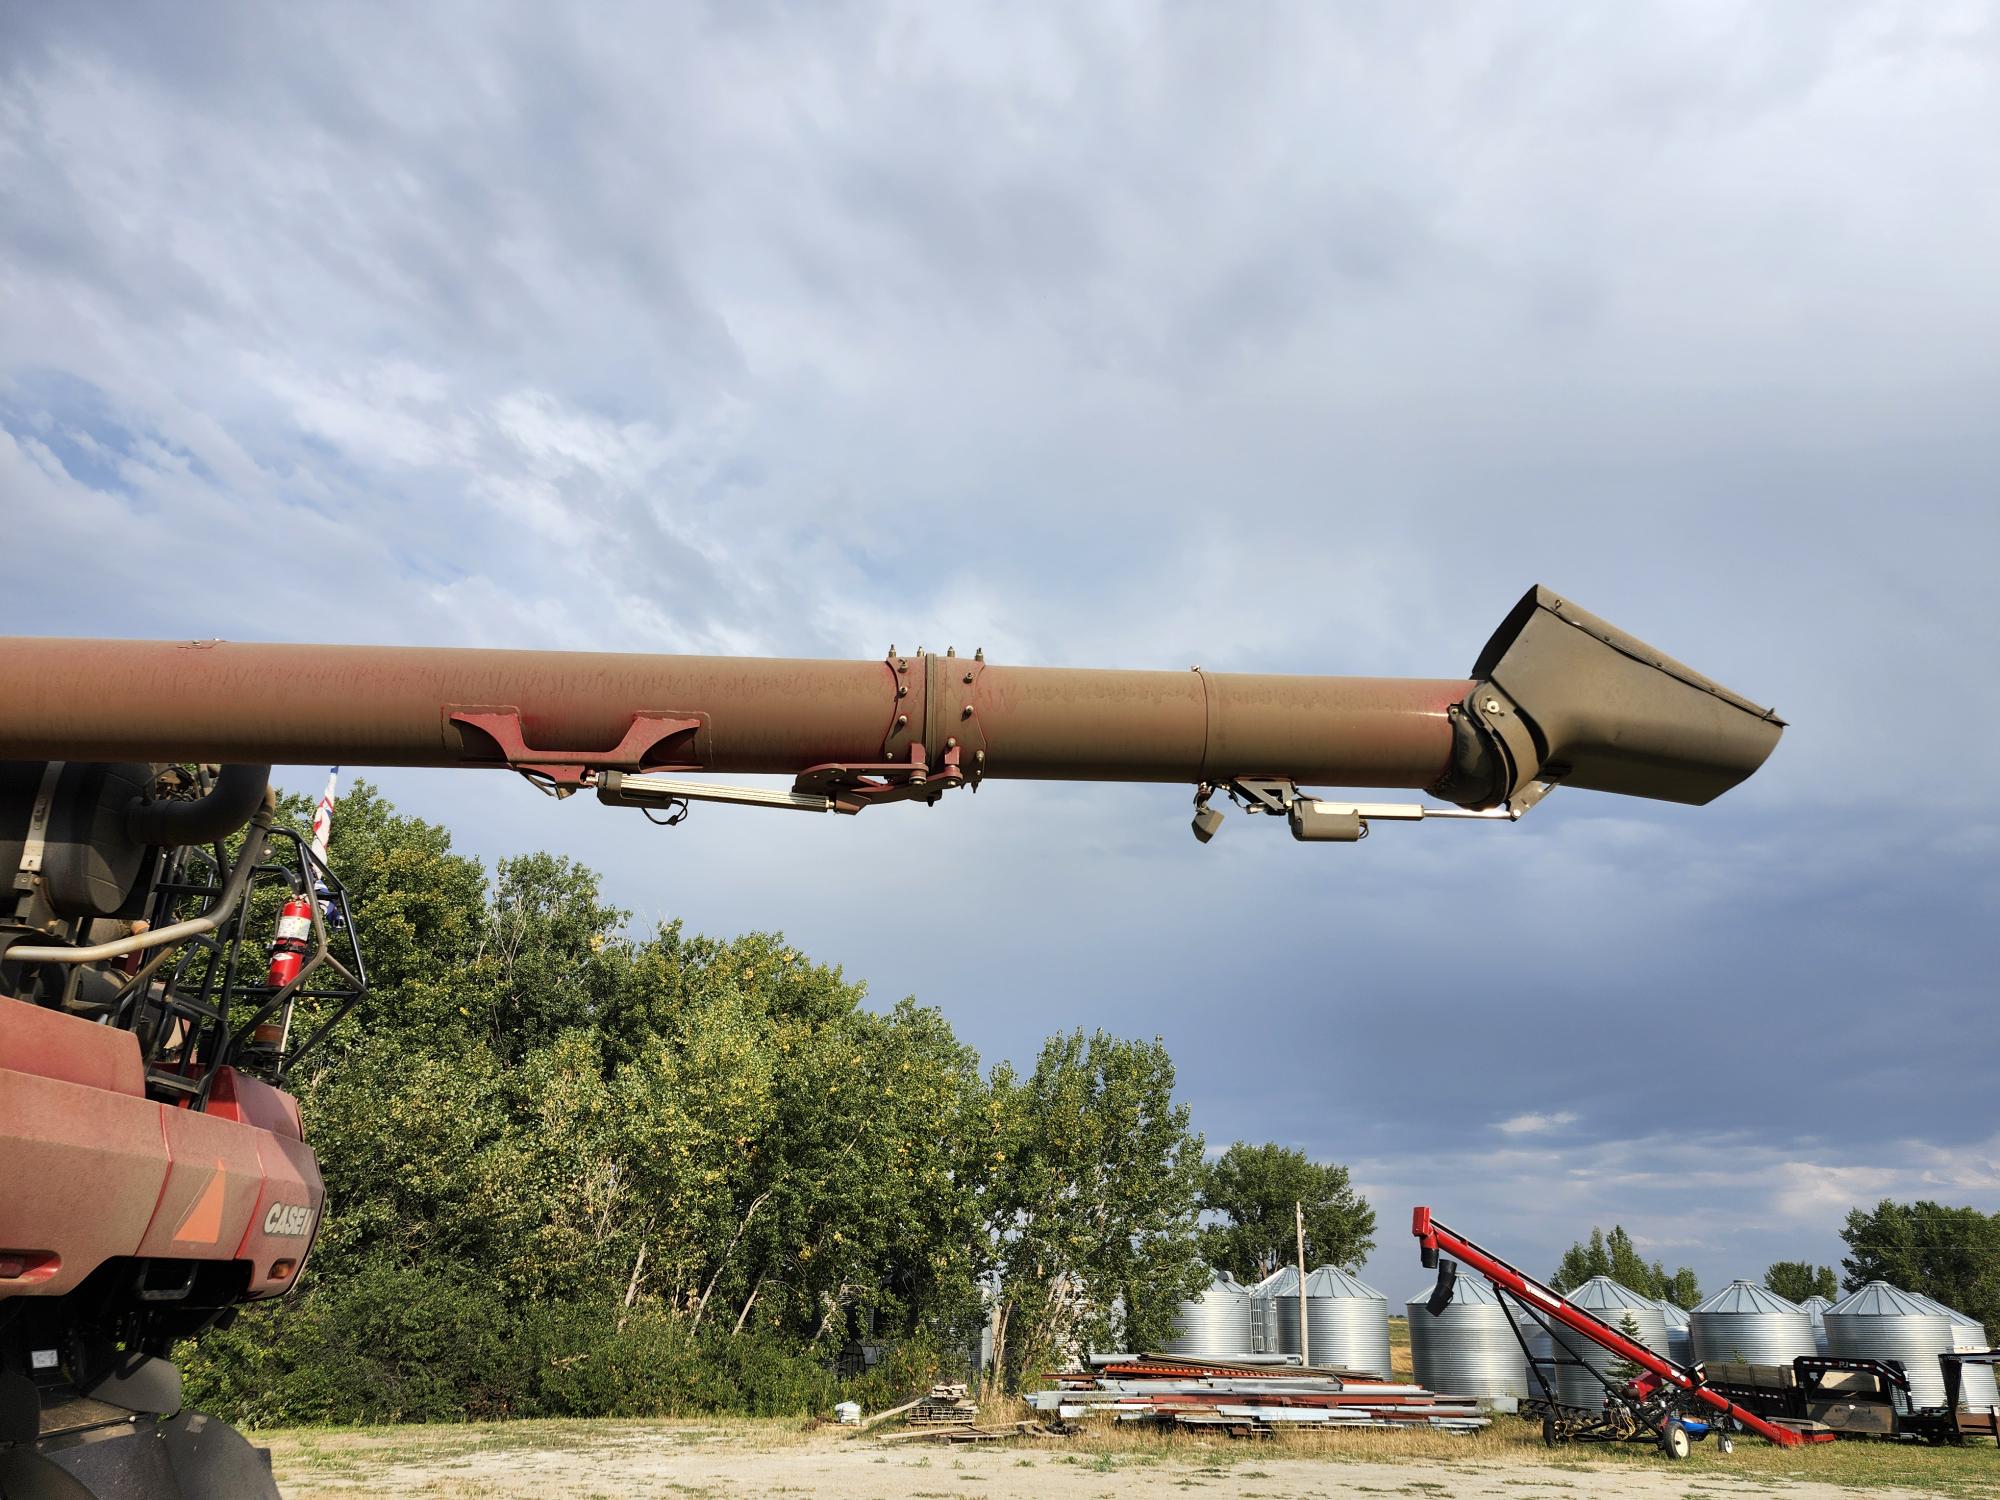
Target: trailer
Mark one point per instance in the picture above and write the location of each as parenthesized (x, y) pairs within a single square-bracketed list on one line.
[(1664, 1402), (1860, 1398)]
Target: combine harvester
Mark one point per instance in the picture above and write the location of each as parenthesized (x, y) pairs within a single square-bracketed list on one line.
[(154, 1178)]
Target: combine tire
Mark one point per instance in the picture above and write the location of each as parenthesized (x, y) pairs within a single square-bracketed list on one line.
[(186, 1457)]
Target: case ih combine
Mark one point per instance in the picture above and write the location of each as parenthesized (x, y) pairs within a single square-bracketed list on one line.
[(154, 1176)]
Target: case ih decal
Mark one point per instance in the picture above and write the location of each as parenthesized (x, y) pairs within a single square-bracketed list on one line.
[(288, 1219)]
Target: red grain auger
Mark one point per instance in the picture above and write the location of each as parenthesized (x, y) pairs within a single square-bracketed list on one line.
[(1664, 1402)]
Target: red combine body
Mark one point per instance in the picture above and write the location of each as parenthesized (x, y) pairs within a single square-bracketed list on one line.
[(154, 1178), (95, 1169)]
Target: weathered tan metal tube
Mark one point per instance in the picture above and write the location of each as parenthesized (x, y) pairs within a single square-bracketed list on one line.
[(1557, 696), (1081, 725), (386, 705)]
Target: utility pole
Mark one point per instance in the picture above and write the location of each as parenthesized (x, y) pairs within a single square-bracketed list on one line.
[(1305, 1336)]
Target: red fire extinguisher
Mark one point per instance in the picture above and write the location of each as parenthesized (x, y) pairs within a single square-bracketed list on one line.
[(288, 949), (288, 956)]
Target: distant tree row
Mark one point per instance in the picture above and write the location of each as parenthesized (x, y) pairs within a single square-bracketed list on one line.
[(1949, 1254), (1615, 1255), (1796, 1280)]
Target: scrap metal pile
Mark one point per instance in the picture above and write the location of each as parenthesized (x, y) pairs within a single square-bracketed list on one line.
[(1248, 1397)]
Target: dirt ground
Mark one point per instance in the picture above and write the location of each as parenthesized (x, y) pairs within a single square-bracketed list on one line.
[(737, 1461)]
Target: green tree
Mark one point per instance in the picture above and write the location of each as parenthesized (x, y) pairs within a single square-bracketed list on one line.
[(574, 1171), (1678, 1287), (808, 1155), (1950, 1254), (1582, 1261), (1615, 1255), (1796, 1280), (1622, 1370), (548, 956), (1254, 1188), (420, 911), (1091, 1198)]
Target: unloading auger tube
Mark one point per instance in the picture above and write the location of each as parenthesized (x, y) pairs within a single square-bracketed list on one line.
[(1557, 697)]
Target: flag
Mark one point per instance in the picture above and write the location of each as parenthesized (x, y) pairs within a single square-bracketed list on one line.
[(323, 815)]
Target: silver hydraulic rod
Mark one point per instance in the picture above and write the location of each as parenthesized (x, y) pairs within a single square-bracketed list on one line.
[(621, 790)]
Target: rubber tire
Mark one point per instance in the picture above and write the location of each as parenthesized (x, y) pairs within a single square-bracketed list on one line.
[(1549, 1437), (1674, 1441), (1724, 1443)]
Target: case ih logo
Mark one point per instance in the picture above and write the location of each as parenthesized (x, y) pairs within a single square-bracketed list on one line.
[(292, 1219)]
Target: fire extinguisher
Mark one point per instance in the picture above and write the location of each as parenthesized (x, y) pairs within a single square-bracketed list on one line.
[(288, 956)]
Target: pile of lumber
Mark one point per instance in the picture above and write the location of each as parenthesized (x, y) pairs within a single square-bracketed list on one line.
[(941, 1434), (944, 1412), (1249, 1398), (944, 1406)]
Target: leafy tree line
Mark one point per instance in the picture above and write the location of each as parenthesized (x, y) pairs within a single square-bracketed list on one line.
[(572, 1170), (1615, 1255), (1949, 1254), (1796, 1280)]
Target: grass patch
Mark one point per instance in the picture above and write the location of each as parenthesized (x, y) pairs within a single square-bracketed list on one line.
[(1400, 1366)]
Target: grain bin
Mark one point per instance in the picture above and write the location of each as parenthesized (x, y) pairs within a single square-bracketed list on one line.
[(1284, 1279), (1815, 1308), (1541, 1355), (1347, 1320), (1977, 1388), (1221, 1323), (1611, 1303), (1468, 1349), (1680, 1346), (1281, 1330), (1881, 1322), (1749, 1324)]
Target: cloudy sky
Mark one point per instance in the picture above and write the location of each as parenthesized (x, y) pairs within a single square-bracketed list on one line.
[(1268, 337)]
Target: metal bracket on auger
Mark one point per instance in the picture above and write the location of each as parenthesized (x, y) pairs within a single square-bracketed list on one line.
[(650, 739), (1317, 820)]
